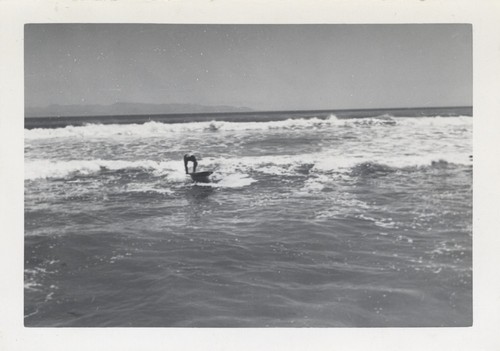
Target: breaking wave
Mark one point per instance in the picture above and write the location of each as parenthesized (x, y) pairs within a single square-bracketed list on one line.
[(156, 129), (285, 165)]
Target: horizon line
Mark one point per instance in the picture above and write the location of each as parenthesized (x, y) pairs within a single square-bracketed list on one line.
[(245, 112)]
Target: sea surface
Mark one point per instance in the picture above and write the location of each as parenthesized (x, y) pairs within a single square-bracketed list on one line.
[(332, 221)]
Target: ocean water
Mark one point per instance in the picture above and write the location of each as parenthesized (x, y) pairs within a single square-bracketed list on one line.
[(307, 222)]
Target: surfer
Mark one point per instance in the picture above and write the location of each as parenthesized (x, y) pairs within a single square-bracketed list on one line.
[(192, 158)]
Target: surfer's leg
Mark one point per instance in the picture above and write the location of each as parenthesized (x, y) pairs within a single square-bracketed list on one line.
[(194, 166)]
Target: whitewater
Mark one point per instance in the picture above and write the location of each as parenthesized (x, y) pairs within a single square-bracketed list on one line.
[(307, 222)]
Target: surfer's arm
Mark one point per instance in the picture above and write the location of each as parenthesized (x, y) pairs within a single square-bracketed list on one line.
[(186, 164)]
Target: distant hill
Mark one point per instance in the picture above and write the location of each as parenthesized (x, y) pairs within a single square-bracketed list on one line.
[(124, 108)]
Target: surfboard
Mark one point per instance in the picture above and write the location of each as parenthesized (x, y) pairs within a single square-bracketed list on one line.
[(201, 177)]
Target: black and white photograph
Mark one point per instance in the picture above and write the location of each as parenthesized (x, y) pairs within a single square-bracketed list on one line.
[(232, 175), (192, 175)]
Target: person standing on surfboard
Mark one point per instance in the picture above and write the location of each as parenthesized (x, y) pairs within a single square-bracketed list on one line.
[(192, 158)]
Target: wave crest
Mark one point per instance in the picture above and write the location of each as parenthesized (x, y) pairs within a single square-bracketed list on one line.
[(282, 165), (62, 169), (152, 129)]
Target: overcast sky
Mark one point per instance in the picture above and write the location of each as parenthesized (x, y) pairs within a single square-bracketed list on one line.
[(263, 67)]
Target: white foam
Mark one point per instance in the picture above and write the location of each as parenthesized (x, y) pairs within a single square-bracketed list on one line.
[(172, 170), (399, 162), (315, 184), (152, 129), (436, 121), (143, 188), (431, 139), (59, 169), (157, 129), (236, 180), (32, 285)]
